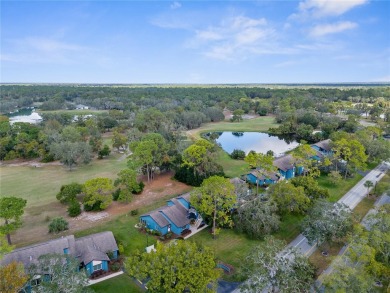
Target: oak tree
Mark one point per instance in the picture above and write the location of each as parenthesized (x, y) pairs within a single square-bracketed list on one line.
[(257, 218), (12, 277), (98, 193), (11, 211), (269, 267), (215, 198), (179, 267)]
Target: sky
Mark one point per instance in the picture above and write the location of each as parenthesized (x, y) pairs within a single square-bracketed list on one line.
[(200, 42)]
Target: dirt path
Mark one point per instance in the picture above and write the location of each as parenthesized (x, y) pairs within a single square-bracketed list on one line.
[(36, 219)]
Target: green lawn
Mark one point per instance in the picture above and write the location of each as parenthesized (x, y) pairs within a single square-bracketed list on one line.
[(122, 283), (337, 191), (383, 185), (256, 124), (363, 207), (289, 227), (232, 168), (40, 185), (230, 246)]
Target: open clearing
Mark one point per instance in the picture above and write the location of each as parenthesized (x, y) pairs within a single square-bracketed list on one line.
[(39, 183), (251, 125)]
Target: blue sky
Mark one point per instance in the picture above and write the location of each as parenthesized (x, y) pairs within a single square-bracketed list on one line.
[(195, 41)]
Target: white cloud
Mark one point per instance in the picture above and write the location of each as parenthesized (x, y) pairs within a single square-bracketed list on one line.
[(175, 5), (44, 50), (234, 37), (324, 8), (209, 35), (326, 29)]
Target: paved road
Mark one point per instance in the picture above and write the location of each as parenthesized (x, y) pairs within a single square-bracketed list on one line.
[(351, 199), (384, 199)]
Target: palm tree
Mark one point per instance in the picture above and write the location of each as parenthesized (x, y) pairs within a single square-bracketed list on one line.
[(368, 184)]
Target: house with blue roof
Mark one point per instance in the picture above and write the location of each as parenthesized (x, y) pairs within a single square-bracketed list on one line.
[(175, 217)]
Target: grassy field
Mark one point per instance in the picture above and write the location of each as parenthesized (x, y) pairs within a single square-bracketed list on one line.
[(39, 185), (122, 283), (230, 247), (232, 168), (337, 191), (255, 124), (383, 185)]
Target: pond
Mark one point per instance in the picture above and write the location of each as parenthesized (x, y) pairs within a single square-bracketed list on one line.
[(25, 115), (257, 141)]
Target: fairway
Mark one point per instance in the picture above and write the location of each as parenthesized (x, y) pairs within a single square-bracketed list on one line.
[(39, 185), (259, 124)]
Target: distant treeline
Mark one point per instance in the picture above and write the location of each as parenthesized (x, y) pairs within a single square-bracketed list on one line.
[(196, 98)]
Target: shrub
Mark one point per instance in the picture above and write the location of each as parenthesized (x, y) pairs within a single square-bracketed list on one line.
[(104, 152), (74, 209), (115, 194), (95, 207), (110, 254), (57, 225), (121, 249), (69, 192), (237, 154), (134, 212), (115, 267), (140, 188), (262, 111)]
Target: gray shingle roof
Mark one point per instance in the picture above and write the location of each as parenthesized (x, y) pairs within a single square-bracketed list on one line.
[(177, 214), (236, 180), (186, 196), (284, 162), (157, 217), (95, 246), (263, 175), (30, 254), (324, 144), (86, 249)]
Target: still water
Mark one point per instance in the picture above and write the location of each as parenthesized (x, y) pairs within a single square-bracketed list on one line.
[(257, 141)]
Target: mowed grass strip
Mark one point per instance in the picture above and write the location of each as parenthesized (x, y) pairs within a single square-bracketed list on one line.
[(250, 125), (122, 283), (337, 191), (232, 168), (229, 246), (39, 185)]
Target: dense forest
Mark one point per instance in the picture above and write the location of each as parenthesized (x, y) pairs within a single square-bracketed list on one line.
[(132, 112)]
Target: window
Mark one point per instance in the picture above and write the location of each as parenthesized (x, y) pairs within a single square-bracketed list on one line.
[(97, 267)]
